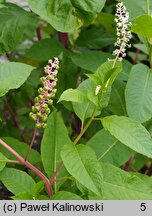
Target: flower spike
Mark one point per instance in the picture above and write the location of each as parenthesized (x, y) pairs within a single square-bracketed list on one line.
[(41, 110), (123, 31)]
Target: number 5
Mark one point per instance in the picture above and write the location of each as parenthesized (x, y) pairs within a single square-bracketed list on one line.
[(143, 207)]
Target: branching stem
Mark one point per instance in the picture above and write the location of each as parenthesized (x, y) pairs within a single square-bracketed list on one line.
[(30, 166)]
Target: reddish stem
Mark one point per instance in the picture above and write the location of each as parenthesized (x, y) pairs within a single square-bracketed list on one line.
[(136, 56), (128, 163), (63, 38), (38, 32), (52, 179), (30, 166), (30, 147)]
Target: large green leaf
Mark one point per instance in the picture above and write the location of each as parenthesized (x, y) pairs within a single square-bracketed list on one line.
[(120, 185), (136, 7), (49, 48), (89, 60), (55, 136), (108, 149), (82, 164), (67, 15), (21, 148), (60, 14), (13, 75), (95, 39), (140, 28), (65, 195), (87, 10), (129, 132), (14, 22), (139, 93), (117, 98), (17, 181)]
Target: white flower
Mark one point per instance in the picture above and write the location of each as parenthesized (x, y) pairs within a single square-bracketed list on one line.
[(123, 31)]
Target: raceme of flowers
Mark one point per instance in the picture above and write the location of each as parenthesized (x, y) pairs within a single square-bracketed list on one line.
[(41, 110), (123, 31)]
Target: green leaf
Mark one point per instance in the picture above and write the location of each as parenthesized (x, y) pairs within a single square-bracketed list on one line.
[(89, 60), (3, 161), (88, 10), (67, 15), (13, 75), (73, 95), (49, 48), (135, 7), (121, 185), (55, 136), (106, 74), (14, 22), (65, 195), (140, 28), (16, 181), (82, 164), (23, 196), (38, 188), (85, 109), (139, 93), (21, 148), (117, 98), (60, 14), (95, 39), (108, 149), (129, 132)]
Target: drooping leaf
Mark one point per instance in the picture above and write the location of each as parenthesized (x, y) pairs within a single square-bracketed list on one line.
[(17, 181), (108, 149), (129, 132), (55, 136), (14, 22), (13, 75), (21, 148), (140, 28), (121, 185), (65, 195), (82, 164), (49, 49), (139, 93)]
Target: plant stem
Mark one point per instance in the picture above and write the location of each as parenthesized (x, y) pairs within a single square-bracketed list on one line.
[(30, 166), (86, 127), (128, 163), (30, 147), (148, 7), (38, 32), (52, 179)]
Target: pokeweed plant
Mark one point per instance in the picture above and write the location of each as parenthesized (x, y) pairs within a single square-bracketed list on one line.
[(90, 111)]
